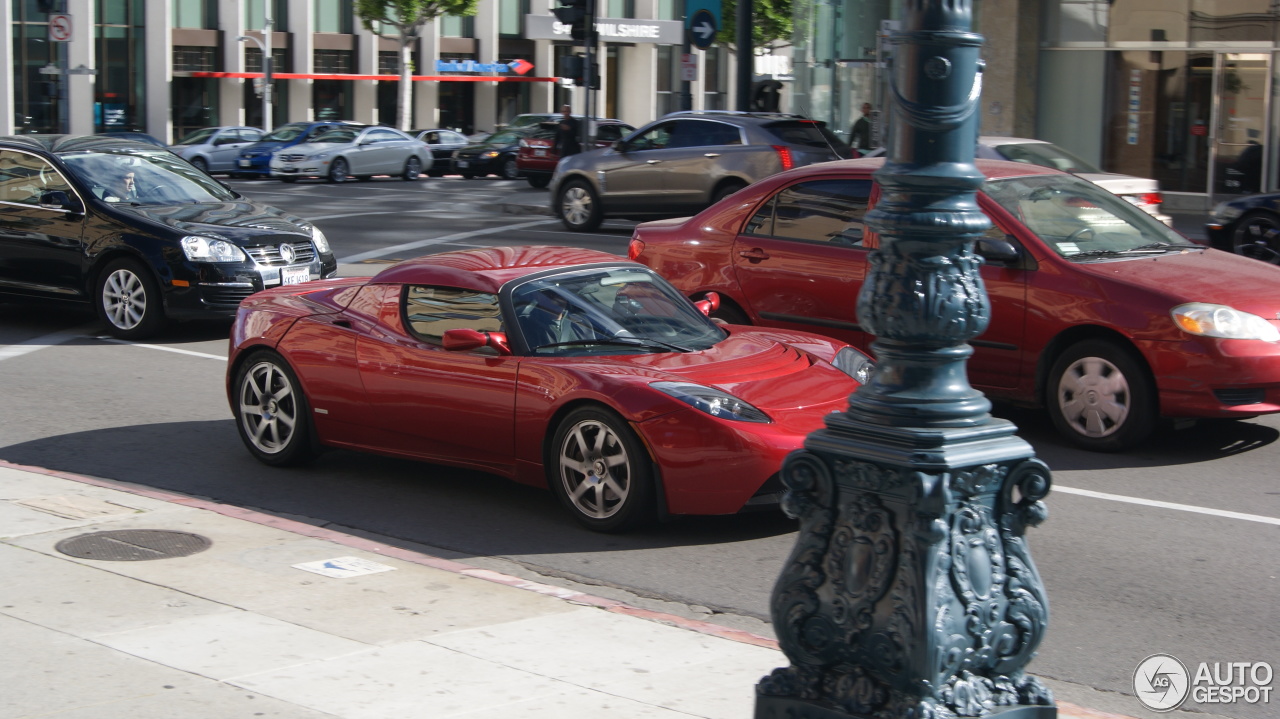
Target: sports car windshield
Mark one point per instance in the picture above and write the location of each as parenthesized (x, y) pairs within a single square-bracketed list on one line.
[(1079, 220), (158, 177), (608, 311)]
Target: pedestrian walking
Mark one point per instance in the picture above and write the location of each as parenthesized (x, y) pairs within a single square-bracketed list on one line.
[(860, 135), (567, 134)]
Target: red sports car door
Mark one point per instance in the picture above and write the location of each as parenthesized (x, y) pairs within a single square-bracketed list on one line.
[(800, 260), (452, 406)]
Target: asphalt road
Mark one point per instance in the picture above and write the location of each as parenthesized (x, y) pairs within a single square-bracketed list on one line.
[(1127, 577)]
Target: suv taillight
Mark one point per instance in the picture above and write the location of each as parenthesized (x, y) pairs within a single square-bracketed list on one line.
[(784, 154)]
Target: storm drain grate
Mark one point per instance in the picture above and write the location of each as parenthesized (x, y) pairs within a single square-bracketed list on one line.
[(133, 545)]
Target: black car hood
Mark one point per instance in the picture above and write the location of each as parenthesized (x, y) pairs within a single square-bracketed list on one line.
[(479, 147), (235, 220)]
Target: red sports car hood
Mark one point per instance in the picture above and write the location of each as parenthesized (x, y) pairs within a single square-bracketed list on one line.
[(1200, 276), (769, 374)]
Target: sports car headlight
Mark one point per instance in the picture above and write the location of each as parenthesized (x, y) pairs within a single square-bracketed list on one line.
[(855, 364), (1201, 318), (714, 402), (207, 249), (320, 241), (1226, 212)]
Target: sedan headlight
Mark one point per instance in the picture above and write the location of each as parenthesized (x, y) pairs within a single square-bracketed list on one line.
[(207, 249), (1201, 318), (320, 241), (714, 402), (855, 364), (1226, 212), (318, 156), (491, 154)]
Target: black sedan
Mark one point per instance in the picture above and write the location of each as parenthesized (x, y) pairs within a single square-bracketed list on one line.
[(494, 155), (140, 234), (1248, 226), (442, 143)]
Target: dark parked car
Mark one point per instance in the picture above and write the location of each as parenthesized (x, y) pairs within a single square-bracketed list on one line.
[(255, 159), (1248, 226), (442, 144), (683, 162), (494, 155), (1100, 313), (140, 234)]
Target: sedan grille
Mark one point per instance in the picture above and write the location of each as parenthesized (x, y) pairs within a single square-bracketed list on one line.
[(293, 158), (277, 255), (229, 297), (1241, 395)]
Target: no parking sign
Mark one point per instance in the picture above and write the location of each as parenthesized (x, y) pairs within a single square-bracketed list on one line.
[(60, 28)]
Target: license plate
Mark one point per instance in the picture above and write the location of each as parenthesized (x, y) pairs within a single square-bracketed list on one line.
[(294, 275), (539, 153), (244, 163), (462, 163), (289, 169)]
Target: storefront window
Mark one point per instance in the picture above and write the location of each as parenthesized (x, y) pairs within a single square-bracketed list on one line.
[(121, 59), (37, 97)]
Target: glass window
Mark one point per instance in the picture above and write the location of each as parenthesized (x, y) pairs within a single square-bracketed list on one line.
[(655, 138), (808, 133), (384, 136), (701, 133), (511, 16), (199, 137), (1044, 154), (761, 223), (670, 10), (197, 14), (430, 311), (23, 178), (621, 9), (158, 177), (822, 211), (254, 9), (333, 16), (457, 26)]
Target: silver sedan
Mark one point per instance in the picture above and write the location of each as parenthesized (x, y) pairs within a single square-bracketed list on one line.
[(346, 152)]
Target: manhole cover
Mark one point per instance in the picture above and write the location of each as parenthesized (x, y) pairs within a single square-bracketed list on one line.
[(133, 545)]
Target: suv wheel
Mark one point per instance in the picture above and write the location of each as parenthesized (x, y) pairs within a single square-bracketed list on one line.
[(579, 207)]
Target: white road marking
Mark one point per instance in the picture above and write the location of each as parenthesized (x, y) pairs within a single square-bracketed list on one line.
[(162, 348), (438, 241), (1167, 505), (39, 343)]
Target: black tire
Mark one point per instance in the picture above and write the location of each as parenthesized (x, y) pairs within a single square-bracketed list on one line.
[(539, 180), (1257, 235), (364, 178), (412, 169), (725, 191), (467, 175), (200, 165), (1101, 397), (128, 299), (510, 171), (579, 207), (272, 413), (288, 180), (601, 471), (730, 314), (339, 171)]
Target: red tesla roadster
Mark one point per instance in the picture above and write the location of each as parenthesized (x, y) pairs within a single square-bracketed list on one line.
[(553, 366)]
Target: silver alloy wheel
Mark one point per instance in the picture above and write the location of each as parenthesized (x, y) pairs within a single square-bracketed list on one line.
[(575, 205), (124, 298), (268, 407), (595, 471), (1094, 397), (338, 171), (412, 168)]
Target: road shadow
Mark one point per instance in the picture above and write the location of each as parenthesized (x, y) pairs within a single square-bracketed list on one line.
[(466, 512), (36, 317)]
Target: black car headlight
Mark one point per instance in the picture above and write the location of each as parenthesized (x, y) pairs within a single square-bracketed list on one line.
[(855, 364), (208, 249), (714, 402), (320, 241)]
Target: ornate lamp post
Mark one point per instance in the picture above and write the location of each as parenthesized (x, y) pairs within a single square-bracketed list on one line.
[(911, 593)]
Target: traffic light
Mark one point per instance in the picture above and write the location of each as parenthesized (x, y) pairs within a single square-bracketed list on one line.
[(580, 16), (572, 67)]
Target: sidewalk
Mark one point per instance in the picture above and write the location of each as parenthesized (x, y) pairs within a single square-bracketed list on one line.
[(239, 630)]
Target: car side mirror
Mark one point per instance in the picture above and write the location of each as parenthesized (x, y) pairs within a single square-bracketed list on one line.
[(997, 252), (465, 340), (709, 303), (619, 145), (59, 200)]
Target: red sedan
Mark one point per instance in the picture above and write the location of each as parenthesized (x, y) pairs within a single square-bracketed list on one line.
[(1099, 312), (558, 367), (537, 157)]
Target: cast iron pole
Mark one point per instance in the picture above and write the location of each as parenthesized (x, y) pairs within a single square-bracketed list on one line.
[(746, 54), (911, 593)]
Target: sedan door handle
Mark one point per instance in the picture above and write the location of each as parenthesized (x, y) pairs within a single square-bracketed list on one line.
[(712, 154), (755, 254), (653, 162)]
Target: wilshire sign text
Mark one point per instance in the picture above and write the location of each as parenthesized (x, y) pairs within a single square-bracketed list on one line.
[(661, 32)]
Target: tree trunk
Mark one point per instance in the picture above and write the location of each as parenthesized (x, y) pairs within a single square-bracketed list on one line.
[(404, 112)]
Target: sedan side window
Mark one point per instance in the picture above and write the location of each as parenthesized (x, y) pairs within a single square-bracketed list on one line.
[(827, 211), (761, 223), (429, 311), (23, 178)]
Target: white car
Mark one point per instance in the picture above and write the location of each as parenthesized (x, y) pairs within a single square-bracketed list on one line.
[(215, 149), (1141, 191), (359, 152)]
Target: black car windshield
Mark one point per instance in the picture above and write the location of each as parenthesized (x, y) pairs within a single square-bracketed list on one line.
[(1045, 154), (342, 135), (199, 137), (284, 133), (504, 138), (143, 177), (609, 311), (1078, 219)]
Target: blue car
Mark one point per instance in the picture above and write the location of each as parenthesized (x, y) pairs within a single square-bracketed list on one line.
[(255, 159)]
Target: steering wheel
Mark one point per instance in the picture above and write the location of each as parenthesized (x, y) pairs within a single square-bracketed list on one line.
[(1079, 234)]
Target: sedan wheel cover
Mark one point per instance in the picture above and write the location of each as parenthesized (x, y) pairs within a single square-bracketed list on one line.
[(576, 205), (1094, 398), (415, 167), (594, 469), (339, 170), (125, 299), (268, 407)]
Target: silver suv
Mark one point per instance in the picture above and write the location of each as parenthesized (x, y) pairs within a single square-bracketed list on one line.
[(683, 162)]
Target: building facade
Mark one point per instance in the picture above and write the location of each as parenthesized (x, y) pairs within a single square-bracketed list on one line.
[(168, 67)]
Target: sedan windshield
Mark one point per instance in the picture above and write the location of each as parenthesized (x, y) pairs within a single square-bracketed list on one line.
[(337, 136), (1078, 219), (144, 177), (1045, 154), (199, 137), (503, 138), (615, 310)]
